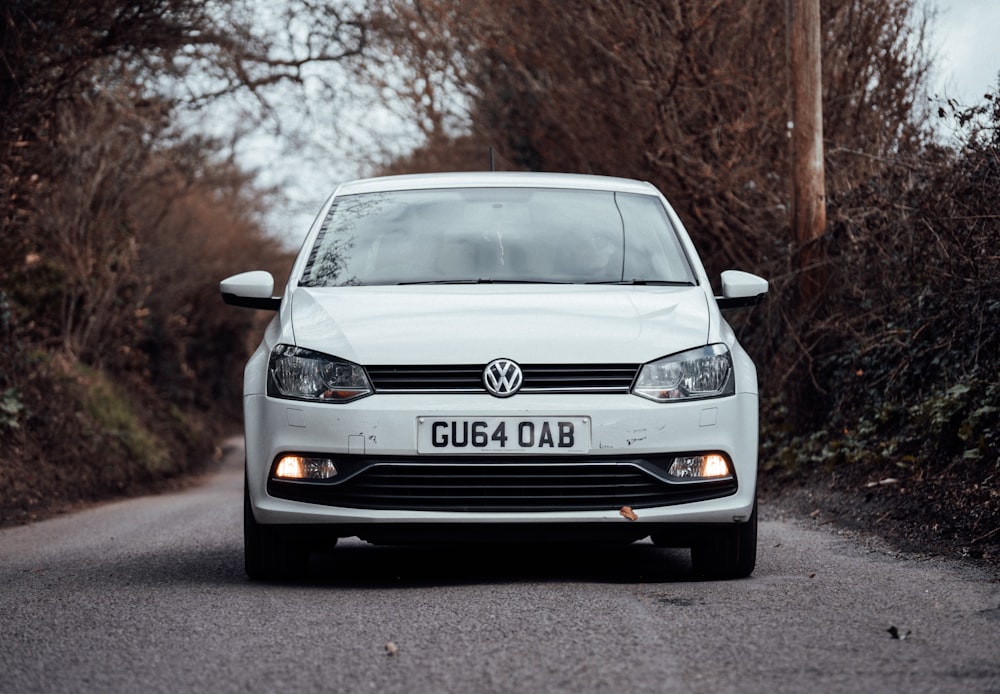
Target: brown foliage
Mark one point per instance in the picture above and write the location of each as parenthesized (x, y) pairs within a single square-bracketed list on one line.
[(204, 227), (900, 367), (688, 95), (119, 364), (123, 360), (81, 237)]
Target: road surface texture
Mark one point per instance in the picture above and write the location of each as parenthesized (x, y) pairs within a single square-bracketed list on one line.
[(149, 595)]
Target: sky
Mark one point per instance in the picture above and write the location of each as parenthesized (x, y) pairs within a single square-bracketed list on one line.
[(967, 52)]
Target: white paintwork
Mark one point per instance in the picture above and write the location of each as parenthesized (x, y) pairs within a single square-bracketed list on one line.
[(527, 323), (737, 284), (256, 284)]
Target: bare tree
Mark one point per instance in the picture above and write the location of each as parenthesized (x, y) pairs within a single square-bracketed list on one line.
[(689, 95), (86, 95), (115, 226)]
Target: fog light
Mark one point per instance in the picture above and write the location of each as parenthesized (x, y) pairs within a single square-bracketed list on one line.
[(294, 467), (700, 467)]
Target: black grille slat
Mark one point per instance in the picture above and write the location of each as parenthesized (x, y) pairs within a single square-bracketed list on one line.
[(415, 486), (597, 378), (426, 378)]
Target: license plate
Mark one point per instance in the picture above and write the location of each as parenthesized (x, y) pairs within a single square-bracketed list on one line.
[(545, 435)]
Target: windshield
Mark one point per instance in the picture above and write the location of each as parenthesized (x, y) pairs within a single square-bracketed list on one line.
[(496, 235)]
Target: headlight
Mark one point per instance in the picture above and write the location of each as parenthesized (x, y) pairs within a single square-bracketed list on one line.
[(706, 372), (302, 374)]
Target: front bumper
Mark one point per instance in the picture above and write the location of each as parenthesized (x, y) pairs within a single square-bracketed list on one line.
[(379, 434)]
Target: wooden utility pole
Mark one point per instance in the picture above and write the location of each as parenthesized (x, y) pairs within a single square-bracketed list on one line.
[(808, 178)]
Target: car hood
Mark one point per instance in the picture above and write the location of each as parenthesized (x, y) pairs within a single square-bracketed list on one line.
[(459, 324)]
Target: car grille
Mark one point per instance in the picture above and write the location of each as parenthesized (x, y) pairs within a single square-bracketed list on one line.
[(503, 486), (547, 378)]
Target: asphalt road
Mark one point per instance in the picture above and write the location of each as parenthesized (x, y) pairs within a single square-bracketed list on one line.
[(148, 595)]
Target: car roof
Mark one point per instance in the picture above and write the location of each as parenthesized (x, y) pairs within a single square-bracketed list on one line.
[(494, 179)]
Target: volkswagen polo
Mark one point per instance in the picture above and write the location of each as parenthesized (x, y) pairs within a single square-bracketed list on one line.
[(476, 357)]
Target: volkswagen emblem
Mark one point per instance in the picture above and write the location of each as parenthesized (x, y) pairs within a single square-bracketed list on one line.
[(502, 378)]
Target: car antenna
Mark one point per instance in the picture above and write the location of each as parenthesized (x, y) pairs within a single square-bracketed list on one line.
[(492, 166)]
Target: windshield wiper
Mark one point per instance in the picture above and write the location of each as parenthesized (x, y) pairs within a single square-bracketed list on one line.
[(648, 283), (400, 284), (481, 280)]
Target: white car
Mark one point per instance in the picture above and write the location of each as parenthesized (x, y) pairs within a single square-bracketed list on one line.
[(499, 356)]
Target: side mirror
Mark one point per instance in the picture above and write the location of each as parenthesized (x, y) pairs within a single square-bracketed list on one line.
[(250, 290), (741, 289)]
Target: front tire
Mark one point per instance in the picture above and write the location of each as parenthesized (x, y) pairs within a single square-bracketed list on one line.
[(271, 551), (728, 551)]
